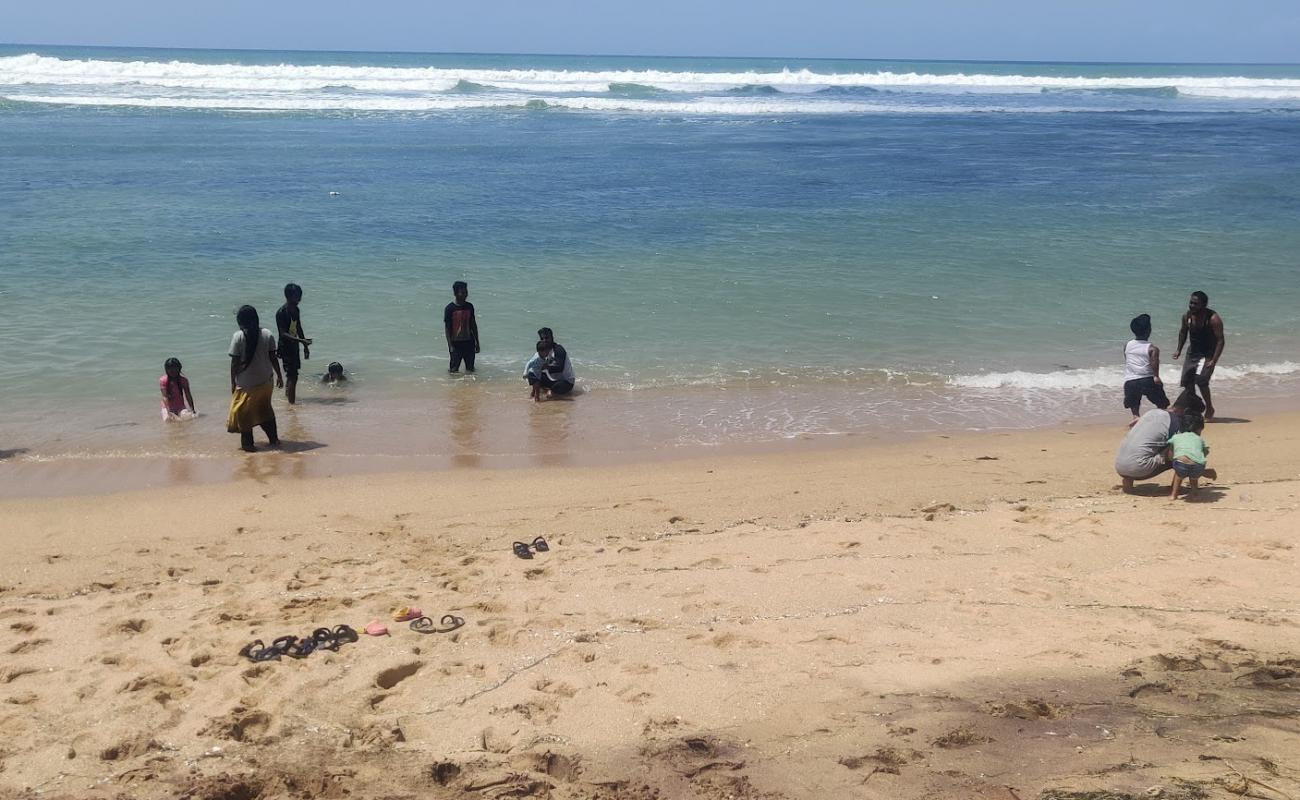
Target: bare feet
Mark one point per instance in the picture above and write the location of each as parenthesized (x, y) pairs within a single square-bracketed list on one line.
[(1126, 485), (1209, 412)]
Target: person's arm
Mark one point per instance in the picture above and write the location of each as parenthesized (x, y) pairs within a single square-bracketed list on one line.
[(1216, 325), (162, 388), (559, 357), (473, 327), (234, 370), (189, 398), (1182, 338), (275, 365), (1154, 354), (446, 326)]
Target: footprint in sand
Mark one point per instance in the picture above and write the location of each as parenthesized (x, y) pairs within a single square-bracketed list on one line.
[(392, 676), (25, 646)]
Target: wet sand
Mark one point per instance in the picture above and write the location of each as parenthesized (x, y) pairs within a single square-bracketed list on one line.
[(980, 615)]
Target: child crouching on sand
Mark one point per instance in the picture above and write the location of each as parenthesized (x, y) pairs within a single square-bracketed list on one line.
[(177, 402), (1187, 454)]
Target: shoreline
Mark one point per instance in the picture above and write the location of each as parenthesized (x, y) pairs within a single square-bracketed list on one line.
[(469, 437), (939, 617)]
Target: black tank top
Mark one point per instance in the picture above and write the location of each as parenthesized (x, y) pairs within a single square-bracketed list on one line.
[(1203, 340)]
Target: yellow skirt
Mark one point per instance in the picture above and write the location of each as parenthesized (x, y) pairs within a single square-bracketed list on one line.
[(250, 408)]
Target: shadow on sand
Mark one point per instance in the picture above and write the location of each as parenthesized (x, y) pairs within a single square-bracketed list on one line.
[(7, 454)]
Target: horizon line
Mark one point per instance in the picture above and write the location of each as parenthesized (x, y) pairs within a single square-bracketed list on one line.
[(648, 55)]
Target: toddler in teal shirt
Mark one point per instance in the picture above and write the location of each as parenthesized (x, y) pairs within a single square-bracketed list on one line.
[(1187, 452)]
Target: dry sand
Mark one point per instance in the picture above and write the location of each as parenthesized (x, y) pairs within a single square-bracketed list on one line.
[(974, 616)]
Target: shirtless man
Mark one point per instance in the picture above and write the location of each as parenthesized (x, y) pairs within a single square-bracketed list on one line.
[(1205, 328)]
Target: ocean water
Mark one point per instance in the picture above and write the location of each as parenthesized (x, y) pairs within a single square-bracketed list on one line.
[(731, 249)]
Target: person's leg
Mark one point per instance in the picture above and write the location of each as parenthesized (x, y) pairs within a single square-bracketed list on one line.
[(1156, 394), (561, 387), (1126, 484), (291, 384), (246, 441), (272, 432), (469, 356), (1203, 383), (1133, 399), (1173, 491)]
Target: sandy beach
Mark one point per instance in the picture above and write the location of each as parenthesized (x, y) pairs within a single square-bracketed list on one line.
[(981, 615)]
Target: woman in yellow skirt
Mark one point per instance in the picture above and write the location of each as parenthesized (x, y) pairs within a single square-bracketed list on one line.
[(252, 364)]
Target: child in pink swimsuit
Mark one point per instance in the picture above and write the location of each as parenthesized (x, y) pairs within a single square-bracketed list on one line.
[(177, 402)]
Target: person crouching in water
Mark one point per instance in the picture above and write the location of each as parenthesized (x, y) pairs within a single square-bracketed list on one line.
[(177, 402), (543, 373), (1142, 369), (252, 364), (334, 374)]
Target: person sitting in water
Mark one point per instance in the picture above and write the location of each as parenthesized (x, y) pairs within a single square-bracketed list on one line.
[(334, 374), (1143, 453), (177, 402), (543, 373)]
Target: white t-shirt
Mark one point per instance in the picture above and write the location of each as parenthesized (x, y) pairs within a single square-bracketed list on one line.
[(259, 370), (1137, 360)]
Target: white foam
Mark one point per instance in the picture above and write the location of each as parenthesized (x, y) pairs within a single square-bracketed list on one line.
[(740, 106), (1109, 376), (133, 76)]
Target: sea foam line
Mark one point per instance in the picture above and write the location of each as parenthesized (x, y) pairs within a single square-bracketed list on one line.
[(34, 69), (1111, 376)]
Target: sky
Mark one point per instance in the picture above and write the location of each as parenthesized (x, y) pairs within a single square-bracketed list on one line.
[(1028, 30)]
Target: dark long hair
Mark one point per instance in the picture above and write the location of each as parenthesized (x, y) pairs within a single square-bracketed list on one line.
[(248, 322)]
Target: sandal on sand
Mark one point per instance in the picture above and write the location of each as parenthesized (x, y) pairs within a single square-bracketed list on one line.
[(406, 614), (325, 639), (522, 550), (301, 648), (283, 644), (344, 634), (375, 628), (540, 545), (450, 622), (257, 650)]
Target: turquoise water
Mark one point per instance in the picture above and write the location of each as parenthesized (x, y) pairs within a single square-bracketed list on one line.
[(730, 249)]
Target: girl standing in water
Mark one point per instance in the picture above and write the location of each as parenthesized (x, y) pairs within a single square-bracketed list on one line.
[(252, 363)]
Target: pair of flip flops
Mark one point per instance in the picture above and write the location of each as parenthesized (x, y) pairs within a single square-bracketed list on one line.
[(294, 647), (524, 551), (449, 622)]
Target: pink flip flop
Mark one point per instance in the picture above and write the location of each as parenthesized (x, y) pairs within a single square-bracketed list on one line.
[(375, 628), (406, 614)]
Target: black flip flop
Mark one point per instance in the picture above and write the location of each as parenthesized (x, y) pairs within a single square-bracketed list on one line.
[(282, 644), (344, 634), (521, 550), (324, 639), (257, 650), (540, 545), (450, 622), (301, 648)]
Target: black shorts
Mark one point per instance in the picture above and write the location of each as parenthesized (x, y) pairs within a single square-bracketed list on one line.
[(462, 351), (557, 386), (1138, 388), (1194, 374), (292, 362)]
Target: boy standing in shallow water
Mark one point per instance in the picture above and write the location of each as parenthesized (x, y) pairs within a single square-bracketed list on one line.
[(461, 328), (289, 322), (1142, 369)]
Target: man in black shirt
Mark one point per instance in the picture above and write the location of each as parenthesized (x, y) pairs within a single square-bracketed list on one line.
[(1205, 328), (289, 322), (461, 328)]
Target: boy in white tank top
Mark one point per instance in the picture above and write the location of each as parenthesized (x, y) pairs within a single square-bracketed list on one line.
[(1142, 369)]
